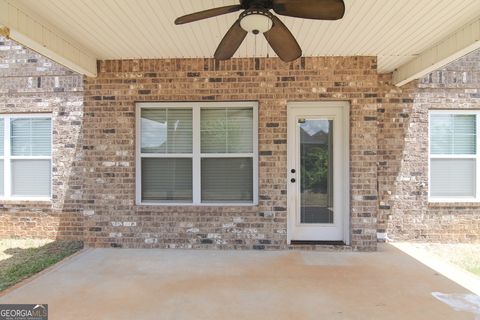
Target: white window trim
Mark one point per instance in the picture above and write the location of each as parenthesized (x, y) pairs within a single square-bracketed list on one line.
[(7, 157), (195, 155), (433, 199)]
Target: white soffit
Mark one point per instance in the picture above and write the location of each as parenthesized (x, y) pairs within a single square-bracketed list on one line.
[(396, 31), (456, 45), (20, 26)]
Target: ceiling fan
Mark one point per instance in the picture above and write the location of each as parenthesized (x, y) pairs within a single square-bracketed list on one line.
[(257, 18)]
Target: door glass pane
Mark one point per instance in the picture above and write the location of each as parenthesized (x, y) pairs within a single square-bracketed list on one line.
[(316, 171)]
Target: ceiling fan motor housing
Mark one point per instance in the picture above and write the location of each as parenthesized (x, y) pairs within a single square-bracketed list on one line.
[(265, 4), (256, 20)]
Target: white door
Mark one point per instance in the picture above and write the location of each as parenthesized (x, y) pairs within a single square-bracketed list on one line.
[(318, 196)]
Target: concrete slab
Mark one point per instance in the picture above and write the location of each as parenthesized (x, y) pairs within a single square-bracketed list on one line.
[(453, 272), (185, 284)]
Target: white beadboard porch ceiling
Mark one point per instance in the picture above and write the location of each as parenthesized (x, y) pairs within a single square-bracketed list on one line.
[(394, 30)]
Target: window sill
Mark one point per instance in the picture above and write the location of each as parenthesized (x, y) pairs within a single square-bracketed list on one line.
[(22, 200), (432, 203), (183, 204)]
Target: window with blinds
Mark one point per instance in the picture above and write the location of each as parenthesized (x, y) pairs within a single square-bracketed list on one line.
[(2, 157), (25, 149), (197, 153), (453, 156)]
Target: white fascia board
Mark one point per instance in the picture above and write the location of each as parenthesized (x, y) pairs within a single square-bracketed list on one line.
[(456, 45), (17, 25)]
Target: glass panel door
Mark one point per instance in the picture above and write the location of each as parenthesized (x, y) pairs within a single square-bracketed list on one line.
[(316, 171)]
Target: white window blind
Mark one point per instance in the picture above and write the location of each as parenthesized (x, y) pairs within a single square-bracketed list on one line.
[(453, 134), (166, 130), (453, 156), (197, 153), (2, 180), (2, 165), (167, 179), (31, 136), (452, 177), (165, 133), (26, 147), (2, 136), (31, 178), (227, 180), (227, 130)]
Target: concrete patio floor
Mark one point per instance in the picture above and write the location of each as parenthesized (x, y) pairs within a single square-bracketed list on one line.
[(185, 284)]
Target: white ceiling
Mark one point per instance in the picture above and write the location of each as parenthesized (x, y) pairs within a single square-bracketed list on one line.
[(394, 30)]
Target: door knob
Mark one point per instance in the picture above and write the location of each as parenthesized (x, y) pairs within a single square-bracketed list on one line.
[(292, 180), (293, 171)]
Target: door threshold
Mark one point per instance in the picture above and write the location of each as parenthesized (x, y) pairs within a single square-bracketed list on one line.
[(317, 242)]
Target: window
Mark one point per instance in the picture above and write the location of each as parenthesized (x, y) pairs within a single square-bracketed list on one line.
[(453, 156), (25, 156), (197, 153)]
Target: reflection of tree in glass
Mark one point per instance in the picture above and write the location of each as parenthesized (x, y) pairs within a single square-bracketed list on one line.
[(315, 168), (227, 130)]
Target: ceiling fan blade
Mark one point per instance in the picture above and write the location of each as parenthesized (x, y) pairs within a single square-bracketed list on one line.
[(207, 14), (282, 41), (230, 42), (310, 9)]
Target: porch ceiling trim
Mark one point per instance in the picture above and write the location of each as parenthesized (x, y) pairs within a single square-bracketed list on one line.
[(40, 37), (458, 44)]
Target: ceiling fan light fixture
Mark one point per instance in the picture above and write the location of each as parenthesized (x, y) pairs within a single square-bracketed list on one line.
[(256, 21), (256, 17)]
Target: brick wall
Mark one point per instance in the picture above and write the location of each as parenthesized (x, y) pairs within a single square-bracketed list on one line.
[(30, 83), (109, 127), (94, 151), (404, 210)]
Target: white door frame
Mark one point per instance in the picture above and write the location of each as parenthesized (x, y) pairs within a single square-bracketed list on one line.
[(319, 106)]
